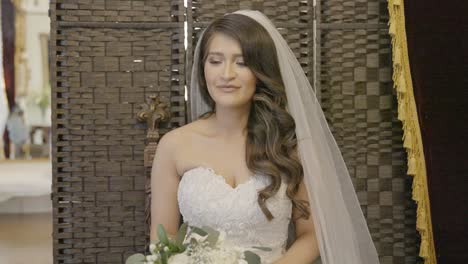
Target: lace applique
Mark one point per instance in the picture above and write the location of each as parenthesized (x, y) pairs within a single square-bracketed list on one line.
[(206, 199)]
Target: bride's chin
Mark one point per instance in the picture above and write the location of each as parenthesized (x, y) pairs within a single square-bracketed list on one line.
[(229, 103)]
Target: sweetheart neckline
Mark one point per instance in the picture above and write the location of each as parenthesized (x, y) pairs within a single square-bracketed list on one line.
[(220, 177)]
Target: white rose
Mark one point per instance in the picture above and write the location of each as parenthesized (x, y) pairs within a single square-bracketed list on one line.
[(154, 258)]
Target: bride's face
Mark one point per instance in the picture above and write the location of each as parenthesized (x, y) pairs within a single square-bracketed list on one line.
[(230, 83)]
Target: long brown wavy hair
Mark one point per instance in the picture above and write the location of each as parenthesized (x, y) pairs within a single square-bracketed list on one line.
[(271, 147)]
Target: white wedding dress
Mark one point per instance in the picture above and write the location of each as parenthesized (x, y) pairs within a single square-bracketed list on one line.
[(206, 199)]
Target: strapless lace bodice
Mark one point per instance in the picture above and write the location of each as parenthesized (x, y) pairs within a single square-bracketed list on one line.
[(205, 199)]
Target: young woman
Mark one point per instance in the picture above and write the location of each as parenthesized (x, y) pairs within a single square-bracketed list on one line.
[(260, 156)]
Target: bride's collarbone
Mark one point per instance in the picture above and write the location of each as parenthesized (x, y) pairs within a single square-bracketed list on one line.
[(227, 162), (224, 157), (233, 177)]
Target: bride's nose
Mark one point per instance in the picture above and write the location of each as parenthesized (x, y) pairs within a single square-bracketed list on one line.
[(229, 72)]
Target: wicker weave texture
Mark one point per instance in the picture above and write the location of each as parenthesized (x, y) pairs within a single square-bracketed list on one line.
[(119, 11), (280, 11), (355, 11), (358, 101), (100, 77)]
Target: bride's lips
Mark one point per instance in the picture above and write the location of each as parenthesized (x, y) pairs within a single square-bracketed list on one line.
[(228, 87)]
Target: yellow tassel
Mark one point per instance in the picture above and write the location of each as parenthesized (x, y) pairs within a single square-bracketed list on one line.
[(397, 58), (415, 195), (401, 87), (392, 29), (412, 141), (412, 166), (423, 249), (408, 141), (401, 112)]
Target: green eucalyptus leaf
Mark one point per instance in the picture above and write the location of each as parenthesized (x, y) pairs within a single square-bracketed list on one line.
[(263, 248), (213, 235), (181, 234), (172, 246), (199, 231), (252, 258), (164, 257), (182, 248), (162, 235), (135, 259)]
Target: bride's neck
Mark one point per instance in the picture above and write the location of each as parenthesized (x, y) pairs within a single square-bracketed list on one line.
[(231, 122)]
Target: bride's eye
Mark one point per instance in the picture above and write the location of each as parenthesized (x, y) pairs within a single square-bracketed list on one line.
[(214, 61), (241, 63)]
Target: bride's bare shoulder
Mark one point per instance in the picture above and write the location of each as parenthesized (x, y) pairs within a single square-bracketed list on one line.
[(185, 134), (182, 144)]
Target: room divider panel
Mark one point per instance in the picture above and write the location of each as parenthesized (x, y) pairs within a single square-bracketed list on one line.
[(107, 57), (354, 76)]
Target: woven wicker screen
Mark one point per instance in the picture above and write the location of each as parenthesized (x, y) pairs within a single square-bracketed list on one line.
[(354, 73), (108, 56)]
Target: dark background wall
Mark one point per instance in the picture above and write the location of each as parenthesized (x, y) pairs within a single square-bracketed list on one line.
[(437, 34)]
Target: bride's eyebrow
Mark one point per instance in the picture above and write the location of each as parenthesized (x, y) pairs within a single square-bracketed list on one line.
[(222, 54)]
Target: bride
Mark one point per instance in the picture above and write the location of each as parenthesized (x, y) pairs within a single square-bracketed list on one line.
[(260, 155)]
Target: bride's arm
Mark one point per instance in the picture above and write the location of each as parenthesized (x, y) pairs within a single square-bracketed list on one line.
[(164, 184), (304, 250)]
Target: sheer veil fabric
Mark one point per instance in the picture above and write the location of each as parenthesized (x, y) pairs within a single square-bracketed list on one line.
[(341, 228)]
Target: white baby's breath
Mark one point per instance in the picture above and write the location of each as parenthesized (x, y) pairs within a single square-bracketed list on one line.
[(152, 247), (154, 257)]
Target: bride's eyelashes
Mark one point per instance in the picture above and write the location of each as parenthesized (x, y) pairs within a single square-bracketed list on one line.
[(217, 62)]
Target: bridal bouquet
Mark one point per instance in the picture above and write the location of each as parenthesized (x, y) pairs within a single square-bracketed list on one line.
[(194, 245)]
